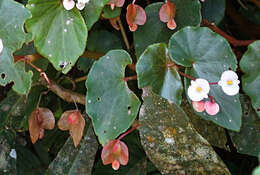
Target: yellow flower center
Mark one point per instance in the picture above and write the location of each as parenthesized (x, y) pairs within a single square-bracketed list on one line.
[(199, 89), (229, 82)]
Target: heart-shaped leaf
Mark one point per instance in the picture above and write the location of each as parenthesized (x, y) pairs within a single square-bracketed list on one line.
[(76, 161), (92, 11), (250, 65), (155, 31), (109, 102), (12, 19), (59, 35), (171, 142), (192, 48), (153, 70)]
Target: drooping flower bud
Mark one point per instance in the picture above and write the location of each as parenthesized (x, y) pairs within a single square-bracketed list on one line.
[(167, 14), (116, 3), (135, 15), (198, 106), (212, 108)]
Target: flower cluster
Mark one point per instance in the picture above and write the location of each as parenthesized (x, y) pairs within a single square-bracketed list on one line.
[(69, 4), (199, 89)]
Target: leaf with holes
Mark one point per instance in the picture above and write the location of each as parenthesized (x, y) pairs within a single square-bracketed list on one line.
[(59, 35), (247, 141), (111, 105), (12, 19), (187, 14), (153, 70), (76, 161), (171, 142), (192, 48), (14, 72), (92, 11), (250, 64)]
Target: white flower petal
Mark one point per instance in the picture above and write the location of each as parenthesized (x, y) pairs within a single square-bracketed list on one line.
[(83, 1), (230, 90), (195, 94), (1, 46), (229, 75), (80, 6), (68, 4), (204, 84)]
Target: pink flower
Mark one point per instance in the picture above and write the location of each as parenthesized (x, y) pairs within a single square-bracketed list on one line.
[(198, 106), (212, 108), (115, 152), (135, 15), (167, 14)]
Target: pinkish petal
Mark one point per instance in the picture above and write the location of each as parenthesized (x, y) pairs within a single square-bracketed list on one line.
[(164, 17), (171, 24), (211, 108), (130, 14), (124, 154), (115, 165), (198, 106), (133, 27), (140, 18), (107, 155), (120, 3)]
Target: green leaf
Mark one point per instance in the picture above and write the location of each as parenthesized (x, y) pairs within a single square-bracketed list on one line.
[(153, 71), (213, 133), (84, 64), (109, 102), (103, 41), (76, 161), (171, 142), (92, 11), (60, 35), (192, 48), (12, 18), (109, 13), (250, 65), (247, 141), (213, 10), (14, 72), (155, 31), (7, 153)]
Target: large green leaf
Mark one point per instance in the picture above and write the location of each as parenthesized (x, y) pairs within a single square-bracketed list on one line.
[(213, 10), (153, 71), (59, 35), (14, 72), (206, 55), (247, 141), (155, 31), (250, 65), (12, 18), (171, 142), (92, 11), (109, 102), (7, 153), (76, 161)]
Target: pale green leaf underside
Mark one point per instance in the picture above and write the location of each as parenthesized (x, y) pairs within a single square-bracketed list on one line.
[(12, 19), (59, 35), (152, 71), (14, 72), (109, 103), (250, 65), (192, 47)]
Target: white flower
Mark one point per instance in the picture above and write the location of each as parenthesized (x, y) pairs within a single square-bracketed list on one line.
[(68, 4), (229, 82), (1, 46), (80, 5), (198, 89), (83, 1)]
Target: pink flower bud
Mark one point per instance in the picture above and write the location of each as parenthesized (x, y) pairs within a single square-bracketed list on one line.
[(212, 108), (198, 106)]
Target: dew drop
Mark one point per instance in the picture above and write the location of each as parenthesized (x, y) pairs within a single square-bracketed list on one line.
[(235, 101), (15, 26), (50, 55), (107, 57), (49, 41), (68, 22), (230, 120), (114, 128), (89, 101), (32, 5), (71, 19), (65, 30)]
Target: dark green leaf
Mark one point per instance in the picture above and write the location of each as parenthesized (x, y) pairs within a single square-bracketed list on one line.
[(171, 142), (250, 65), (84, 64), (192, 47), (153, 70), (247, 141), (109, 13), (109, 102), (60, 35), (155, 31), (213, 10), (92, 11)]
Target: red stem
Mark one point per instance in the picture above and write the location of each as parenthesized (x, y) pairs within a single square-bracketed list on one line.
[(230, 39), (186, 75), (133, 1), (127, 132), (213, 83)]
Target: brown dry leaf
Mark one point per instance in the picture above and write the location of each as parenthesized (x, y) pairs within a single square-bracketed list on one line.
[(48, 120), (63, 123), (76, 130), (34, 128)]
